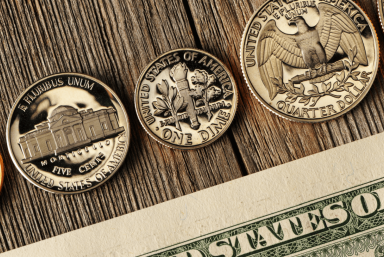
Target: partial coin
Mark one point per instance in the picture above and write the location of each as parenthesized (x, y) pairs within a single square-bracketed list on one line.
[(68, 133), (186, 99), (380, 5), (309, 61), (1, 172)]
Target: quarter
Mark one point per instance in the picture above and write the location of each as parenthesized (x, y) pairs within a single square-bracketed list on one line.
[(186, 99), (68, 133), (309, 61)]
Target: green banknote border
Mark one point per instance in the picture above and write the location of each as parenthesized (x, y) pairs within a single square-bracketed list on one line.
[(355, 226), (350, 246)]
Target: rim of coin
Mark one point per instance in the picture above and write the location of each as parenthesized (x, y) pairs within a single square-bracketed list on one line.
[(175, 146), (124, 134), (302, 120), (381, 12), (1, 172)]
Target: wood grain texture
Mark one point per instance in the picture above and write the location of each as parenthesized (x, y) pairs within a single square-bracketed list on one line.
[(114, 41)]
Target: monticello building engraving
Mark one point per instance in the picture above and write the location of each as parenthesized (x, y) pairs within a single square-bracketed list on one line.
[(68, 129)]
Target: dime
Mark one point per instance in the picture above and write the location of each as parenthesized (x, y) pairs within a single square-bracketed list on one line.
[(1, 172), (186, 99), (68, 133), (309, 61)]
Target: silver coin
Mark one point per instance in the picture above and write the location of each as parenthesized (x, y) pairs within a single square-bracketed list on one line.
[(380, 6), (68, 133), (186, 99), (310, 61)]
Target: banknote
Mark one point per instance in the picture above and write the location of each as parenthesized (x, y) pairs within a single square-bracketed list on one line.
[(328, 204)]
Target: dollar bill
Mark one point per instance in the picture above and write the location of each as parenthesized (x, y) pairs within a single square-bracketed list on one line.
[(329, 204)]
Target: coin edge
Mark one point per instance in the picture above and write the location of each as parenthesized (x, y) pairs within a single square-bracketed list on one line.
[(2, 173), (313, 121), (10, 150), (155, 137), (381, 13)]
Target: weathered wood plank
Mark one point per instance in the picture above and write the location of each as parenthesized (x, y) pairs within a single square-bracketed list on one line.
[(112, 41), (264, 140)]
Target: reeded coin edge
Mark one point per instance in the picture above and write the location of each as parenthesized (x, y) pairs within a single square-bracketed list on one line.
[(380, 9), (170, 145), (300, 120), (10, 150)]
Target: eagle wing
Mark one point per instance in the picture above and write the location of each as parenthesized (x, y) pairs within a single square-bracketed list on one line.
[(274, 49), (336, 29)]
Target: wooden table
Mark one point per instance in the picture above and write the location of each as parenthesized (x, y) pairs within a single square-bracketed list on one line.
[(114, 41)]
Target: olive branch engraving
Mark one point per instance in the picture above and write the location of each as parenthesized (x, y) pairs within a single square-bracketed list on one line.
[(169, 103), (314, 95)]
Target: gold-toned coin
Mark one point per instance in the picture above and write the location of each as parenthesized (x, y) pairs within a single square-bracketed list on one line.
[(186, 98), (1, 172), (68, 133), (309, 61)]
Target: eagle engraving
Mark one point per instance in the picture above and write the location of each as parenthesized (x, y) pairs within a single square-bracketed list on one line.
[(310, 48)]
